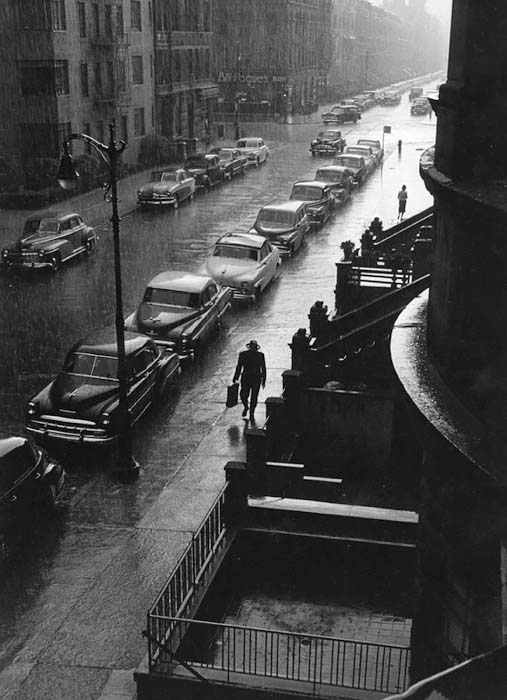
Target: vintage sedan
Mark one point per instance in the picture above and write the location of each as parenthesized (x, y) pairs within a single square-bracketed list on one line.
[(341, 115), (320, 202), (254, 149), (340, 181), (420, 106), (82, 404), (391, 97), (356, 164), (285, 225), (50, 239), (414, 93), (205, 168), (167, 187), (368, 155), (232, 162), (28, 478), (375, 146), (327, 142), (245, 262), (180, 311)]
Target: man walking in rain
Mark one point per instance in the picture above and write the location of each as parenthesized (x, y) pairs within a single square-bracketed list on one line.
[(251, 368), (402, 202)]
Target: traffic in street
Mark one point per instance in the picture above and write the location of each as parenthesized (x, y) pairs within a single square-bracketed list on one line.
[(45, 313)]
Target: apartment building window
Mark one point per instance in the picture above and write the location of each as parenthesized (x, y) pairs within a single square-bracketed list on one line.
[(87, 127), (124, 127), (58, 20), (177, 67), (100, 131), (122, 75), (62, 77), (135, 15), (84, 79), (108, 26), (137, 70), (98, 79), (36, 77), (81, 14), (139, 129), (120, 29), (34, 15), (96, 19)]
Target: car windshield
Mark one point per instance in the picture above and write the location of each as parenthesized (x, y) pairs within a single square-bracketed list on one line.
[(371, 144), (235, 251), (275, 216), (248, 143), (172, 297), (197, 162), (306, 193), (48, 226), (225, 155), (161, 176), (327, 135), (328, 176), (15, 463), (88, 365), (358, 151), (31, 226), (348, 162)]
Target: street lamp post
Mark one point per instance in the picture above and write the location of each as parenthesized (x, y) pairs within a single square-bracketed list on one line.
[(236, 99), (67, 178)]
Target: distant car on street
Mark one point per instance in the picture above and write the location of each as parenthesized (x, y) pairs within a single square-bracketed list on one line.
[(180, 311), (245, 262), (353, 102), (341, 115), (339, 179), (320, 202), (48, 240), (254, 149), (81, 404), (167, 187), (285, 225), (367, 153), (206, 170), (356, 164), (391, 97), (420, 106), (231, 161), (375, 146), (414, 93), (28, 478), (328, 142)]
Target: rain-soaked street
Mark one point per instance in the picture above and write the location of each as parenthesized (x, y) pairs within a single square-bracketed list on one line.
[(74, 588)]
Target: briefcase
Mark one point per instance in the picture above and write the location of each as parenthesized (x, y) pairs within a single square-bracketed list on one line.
[(232, 395)]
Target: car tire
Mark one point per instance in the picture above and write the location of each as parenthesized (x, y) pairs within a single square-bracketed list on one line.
[(88, 246), (55, 263), (257, 295), (51, 498), (243, 171)]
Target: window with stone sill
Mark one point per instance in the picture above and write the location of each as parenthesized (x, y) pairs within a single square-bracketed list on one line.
[(139, 126), (58, 19), (136, 16), (137, 70)]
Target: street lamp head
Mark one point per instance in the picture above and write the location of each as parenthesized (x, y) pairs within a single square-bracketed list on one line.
[(67, 174)]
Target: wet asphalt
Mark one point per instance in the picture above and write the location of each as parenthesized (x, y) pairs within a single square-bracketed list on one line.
[(75, 586)]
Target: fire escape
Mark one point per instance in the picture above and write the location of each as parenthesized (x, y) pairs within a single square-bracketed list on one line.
[(109, 55)]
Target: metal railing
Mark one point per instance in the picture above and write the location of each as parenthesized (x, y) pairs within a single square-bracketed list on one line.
[(177, 595), (380, 277), (318, 660)]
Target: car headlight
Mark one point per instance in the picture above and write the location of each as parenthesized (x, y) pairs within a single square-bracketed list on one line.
[(32, 408), (42, 253), (105, 419), (139, 193), (245, 285)]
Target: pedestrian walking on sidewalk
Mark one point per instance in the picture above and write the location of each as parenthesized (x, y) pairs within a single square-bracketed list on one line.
[(402, 202), (400, 143), (251, 368)]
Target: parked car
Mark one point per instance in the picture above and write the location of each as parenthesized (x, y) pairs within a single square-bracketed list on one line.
[(366, 152), (339, 179), (420, 106), (28, 478), (354, 103), (341, 115), (319, 200), (48, 240), (327, 142), (205, 168), (356, 164), (245, 262), (231, 161), (391, 97), (285, 225), (375, 146), (167, 187), (180, 311), (414, 93), (81, 404), (254, 149)]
